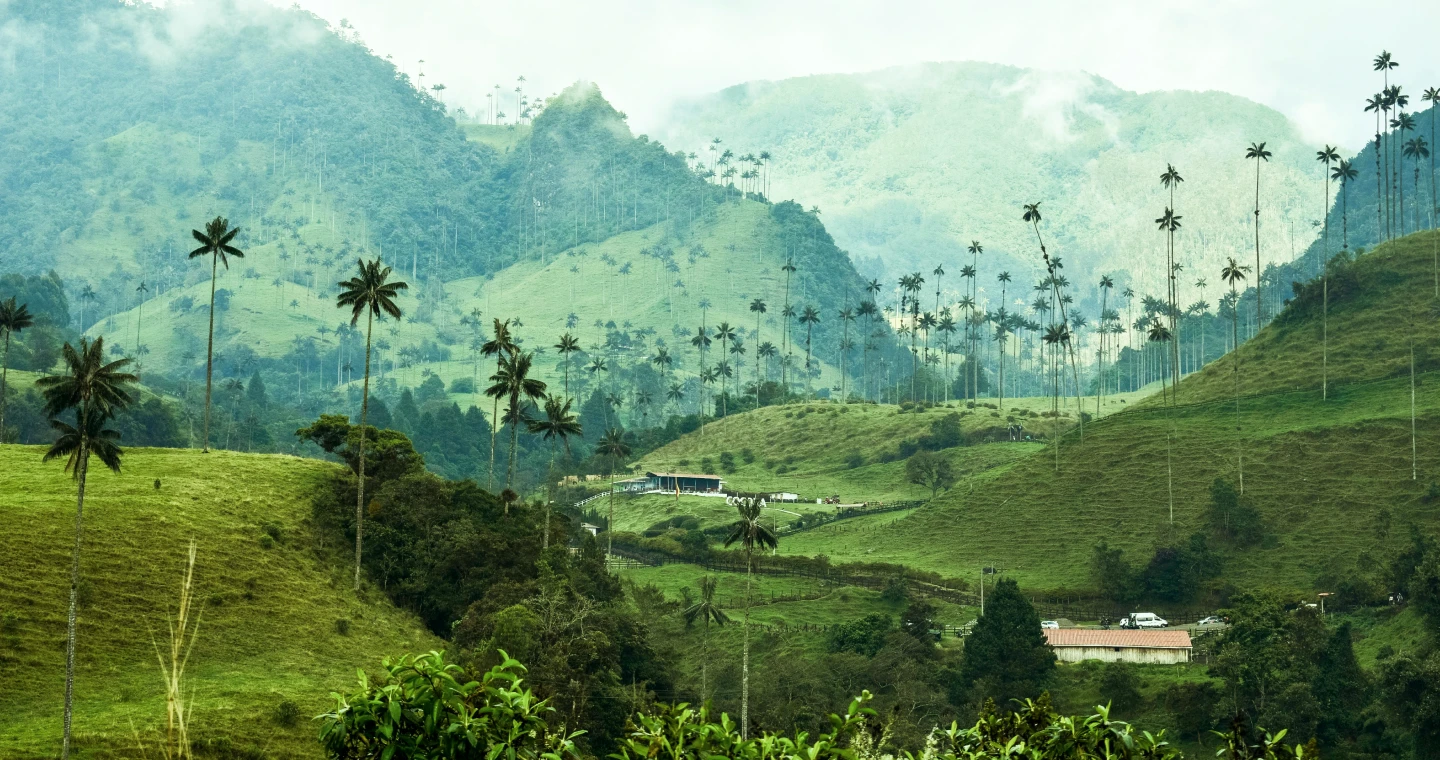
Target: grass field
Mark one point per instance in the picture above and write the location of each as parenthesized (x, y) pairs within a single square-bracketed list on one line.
[(610, 282), (1332, 479), (268, 629)]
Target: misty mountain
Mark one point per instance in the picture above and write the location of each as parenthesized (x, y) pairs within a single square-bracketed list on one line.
[(910, 164)]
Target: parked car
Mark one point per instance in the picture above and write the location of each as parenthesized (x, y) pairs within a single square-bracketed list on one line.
[(1049, 624), (1144, 620), (1211, 620)]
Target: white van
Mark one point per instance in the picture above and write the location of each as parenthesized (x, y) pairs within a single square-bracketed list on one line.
[(1144, 620)]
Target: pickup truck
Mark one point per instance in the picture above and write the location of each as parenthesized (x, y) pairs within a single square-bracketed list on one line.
[(1144, 620)]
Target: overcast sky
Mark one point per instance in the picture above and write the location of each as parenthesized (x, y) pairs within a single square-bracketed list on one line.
[(1310, 60)]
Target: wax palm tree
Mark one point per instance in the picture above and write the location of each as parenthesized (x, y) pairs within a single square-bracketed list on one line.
[(676, 393), (810, 317), (1107, 284), (1417, 150), (567, 346), (724, 333), (13, 318), (1169, 223), (1377, 105), (1032, 216), (215, 242), (707, 611), (94, 390), (1233, 274), (662, 361), (766, 352), (751, 534), (847, 315), (786, 313), (373, 294), (1343, 173), (707, 377), (513, 379), (499, 346), (1402, 124), (701, 342), (613, 446), (758, 307), (1002, 333), (558, 424), (1257, 153), (1432, 95)]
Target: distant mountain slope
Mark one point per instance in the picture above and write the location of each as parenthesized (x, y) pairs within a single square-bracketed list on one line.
[(128, 124), (1331, 478), (270, 608), (910, 164)]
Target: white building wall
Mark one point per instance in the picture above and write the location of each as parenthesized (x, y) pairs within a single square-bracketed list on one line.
[(1139, 655)]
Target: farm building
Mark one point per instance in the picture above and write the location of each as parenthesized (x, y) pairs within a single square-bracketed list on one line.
[(671, 482), (1159, 647)]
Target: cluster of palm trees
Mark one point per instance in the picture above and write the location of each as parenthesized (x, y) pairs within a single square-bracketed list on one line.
[(1392, 148), (724, 168)]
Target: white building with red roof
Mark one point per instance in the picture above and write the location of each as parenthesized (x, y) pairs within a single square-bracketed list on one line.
[(1158, 647)]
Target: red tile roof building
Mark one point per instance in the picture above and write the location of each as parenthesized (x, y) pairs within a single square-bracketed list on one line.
[(1143, 646)]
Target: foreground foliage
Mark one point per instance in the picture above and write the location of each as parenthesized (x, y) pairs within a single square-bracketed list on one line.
[(425, 708)]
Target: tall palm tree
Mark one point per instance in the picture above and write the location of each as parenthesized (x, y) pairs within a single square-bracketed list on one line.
[(499, 346), (512, 378), (725, 333), (13, 319), (1417, 150), (1432, 95), (567, 346), (373, 294), (707, 377), (1106, 285), (1233, 274), (1170, 222), (215, 242), (1382, 63), (973, 367), (1171, 180), (613, 446), (810, 317), (1032, 216), (94, 390), (1161, 334), (1377, 105), (1343, 173), (750, 533), (676, 393), (558, 424), (758, 307), (786, 313), (706, 610), (1259, 155), (847, 315)]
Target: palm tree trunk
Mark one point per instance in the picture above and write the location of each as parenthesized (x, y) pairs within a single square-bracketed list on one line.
[(514, 443), (494, 430), (1235, 370), (610, 520), (83, 463), (4, 387), (364, 413), (745, 656), (1259, 279), (210, 354)]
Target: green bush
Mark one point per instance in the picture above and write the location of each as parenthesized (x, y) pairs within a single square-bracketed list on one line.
[(287, 713)]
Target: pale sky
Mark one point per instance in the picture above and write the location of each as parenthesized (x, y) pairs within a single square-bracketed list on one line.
[(1309, 59)]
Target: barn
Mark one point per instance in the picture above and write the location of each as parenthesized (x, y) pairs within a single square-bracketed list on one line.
[(672, 482), (1157, 647)]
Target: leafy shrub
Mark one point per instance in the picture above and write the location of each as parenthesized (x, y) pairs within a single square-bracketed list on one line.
[(274, 531), (287, 713), (462, 385), (854, 459), (266, 542), (342, 626), (727, 462), (747, 455), (864, 636), (1120, 686)]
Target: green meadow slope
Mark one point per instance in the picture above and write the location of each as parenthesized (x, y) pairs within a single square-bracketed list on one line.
[(1331, 478), (728, 261), (270, 607)]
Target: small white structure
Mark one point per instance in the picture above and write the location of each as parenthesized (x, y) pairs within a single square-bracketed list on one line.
[(592, 529), (1157, 647), (784, 496)]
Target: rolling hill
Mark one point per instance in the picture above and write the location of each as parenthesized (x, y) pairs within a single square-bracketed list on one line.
[(278, 621), (910, 164), (1332, 479)]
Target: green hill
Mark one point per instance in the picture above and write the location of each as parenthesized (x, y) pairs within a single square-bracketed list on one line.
[(270, 627), (911, 163), (1331, 479)]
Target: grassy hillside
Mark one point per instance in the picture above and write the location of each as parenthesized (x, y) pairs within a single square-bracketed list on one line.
[(268, 631), (817, 450), (619, 283), (1332, 479), (911, 163)]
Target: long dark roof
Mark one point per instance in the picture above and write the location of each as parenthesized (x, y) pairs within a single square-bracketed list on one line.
[(680, 475)]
